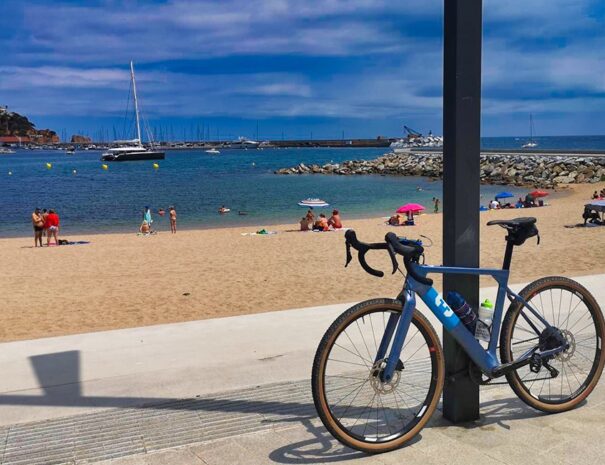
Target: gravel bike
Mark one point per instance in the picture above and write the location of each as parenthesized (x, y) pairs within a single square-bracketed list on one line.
[(379, 371)]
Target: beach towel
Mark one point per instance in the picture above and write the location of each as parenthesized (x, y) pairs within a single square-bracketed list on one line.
[(262, 232)]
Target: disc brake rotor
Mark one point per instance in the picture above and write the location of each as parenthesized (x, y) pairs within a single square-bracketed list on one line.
[(571, 340), (377, 384)]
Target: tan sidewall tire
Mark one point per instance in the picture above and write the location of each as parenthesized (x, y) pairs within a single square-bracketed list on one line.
[(509, 322), (319, 366)]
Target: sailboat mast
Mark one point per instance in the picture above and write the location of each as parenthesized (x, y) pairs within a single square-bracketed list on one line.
[(531, 128), (136, 103)]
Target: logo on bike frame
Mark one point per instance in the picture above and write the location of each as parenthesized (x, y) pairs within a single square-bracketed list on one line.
[(442, 310)]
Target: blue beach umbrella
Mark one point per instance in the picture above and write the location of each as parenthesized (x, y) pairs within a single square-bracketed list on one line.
[(504, 195)]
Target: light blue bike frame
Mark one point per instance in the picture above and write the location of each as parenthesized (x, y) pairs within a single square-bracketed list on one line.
[(486, 359)]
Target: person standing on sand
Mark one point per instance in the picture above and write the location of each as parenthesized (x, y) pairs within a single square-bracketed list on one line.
[(53, 227), (44, 218), (38, 224), (172, 212), (147, 216), (436, 204)]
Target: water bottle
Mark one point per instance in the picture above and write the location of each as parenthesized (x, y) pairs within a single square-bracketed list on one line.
[(484, 324), (462, 309)]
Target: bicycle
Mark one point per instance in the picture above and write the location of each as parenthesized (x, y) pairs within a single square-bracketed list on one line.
[(376, 382)]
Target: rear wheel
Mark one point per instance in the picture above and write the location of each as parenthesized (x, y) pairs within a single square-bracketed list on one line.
[(575, 314), (353, 403)]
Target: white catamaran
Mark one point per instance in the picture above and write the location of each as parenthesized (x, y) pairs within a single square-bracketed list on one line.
[(133, 150)]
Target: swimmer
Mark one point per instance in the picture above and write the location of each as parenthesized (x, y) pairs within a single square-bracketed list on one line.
[(223, 210)]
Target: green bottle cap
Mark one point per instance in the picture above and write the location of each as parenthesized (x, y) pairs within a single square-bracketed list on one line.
[(487, 304)]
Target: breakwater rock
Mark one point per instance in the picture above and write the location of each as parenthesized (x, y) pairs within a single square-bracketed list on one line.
[(544, 171)]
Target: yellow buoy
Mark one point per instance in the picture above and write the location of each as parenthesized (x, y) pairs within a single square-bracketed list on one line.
[(155, 166), (49, 166), (105, 167)]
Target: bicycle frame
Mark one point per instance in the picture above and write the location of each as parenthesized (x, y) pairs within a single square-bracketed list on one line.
[(486, 359)]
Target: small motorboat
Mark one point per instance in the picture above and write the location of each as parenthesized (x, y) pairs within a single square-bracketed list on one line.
[(212, 151), (224, 210)]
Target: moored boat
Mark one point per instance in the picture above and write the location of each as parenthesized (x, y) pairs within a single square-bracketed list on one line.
[(133, 150)]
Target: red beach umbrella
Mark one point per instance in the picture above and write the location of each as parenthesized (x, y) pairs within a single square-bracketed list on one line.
[(538, 193), (410, 207)]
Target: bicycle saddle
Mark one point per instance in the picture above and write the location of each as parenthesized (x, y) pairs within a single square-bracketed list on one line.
[(519, 229), (514, 223)]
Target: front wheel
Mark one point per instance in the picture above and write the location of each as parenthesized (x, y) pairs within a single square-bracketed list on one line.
[(575, 315), (359, 409)]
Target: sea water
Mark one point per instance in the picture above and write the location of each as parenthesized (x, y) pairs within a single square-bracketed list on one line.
[(91, 199)]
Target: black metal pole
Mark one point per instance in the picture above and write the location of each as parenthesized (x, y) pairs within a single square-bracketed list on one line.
[(461, 148)]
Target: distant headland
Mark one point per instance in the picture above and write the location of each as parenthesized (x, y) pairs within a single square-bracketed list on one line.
[(18, 129)]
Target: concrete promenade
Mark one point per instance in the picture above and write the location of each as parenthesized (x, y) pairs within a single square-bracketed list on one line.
[(236, 390)]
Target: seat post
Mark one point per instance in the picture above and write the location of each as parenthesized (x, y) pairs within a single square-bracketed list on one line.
[(508, 255)]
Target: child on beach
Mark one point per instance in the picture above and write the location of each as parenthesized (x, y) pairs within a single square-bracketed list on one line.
[(436, 204)]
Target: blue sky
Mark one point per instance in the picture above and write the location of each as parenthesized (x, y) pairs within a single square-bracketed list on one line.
[(316, 67)]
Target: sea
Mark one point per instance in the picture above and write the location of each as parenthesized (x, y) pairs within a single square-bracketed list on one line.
[(90, 199)]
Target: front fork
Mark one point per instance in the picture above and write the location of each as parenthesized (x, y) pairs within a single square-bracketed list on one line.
[(398, 324)]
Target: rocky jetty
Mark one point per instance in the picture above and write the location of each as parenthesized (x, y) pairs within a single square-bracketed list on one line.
[(544, 171)]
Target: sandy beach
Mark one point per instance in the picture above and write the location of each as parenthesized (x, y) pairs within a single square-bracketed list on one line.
[(125, 280)]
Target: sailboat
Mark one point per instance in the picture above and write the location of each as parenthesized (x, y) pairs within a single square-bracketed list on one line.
[(132, 150), (532, 143)]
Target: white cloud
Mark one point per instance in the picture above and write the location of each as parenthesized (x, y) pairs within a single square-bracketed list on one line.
[(84, 51)]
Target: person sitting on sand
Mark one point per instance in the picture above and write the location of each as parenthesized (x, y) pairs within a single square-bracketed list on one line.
[(334, 220), (321, 224), (53, 227), (595, 195), (145, 229), (310, 216), (519, 203), (305, 225), (590, 216), (494, 205), (396, 220)]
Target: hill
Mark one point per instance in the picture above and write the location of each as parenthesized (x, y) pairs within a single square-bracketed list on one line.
[(15, 125)]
